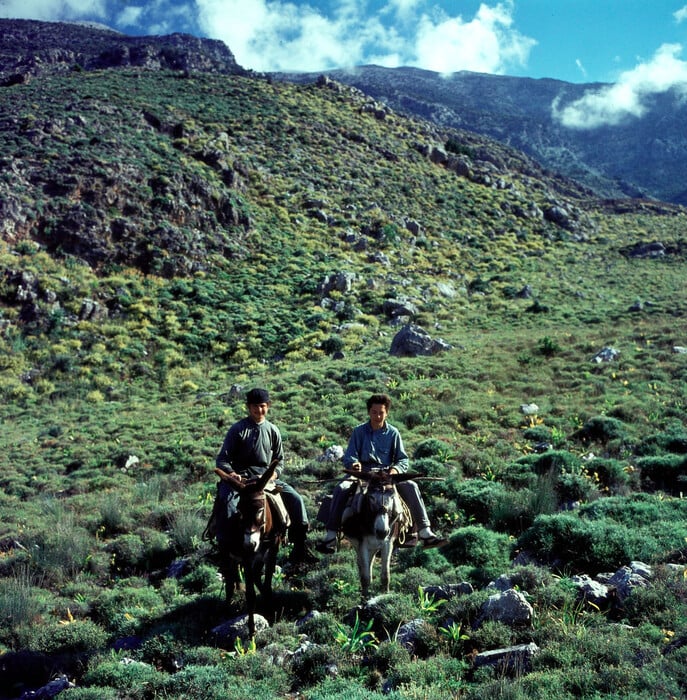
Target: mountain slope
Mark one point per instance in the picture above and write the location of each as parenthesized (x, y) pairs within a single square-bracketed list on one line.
[(642, 156), (172, 237)]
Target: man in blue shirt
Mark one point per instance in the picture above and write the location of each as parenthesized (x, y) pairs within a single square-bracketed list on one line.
[(373, 445)]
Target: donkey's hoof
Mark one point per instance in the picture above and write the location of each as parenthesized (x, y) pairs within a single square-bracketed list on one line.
[(326, 547)]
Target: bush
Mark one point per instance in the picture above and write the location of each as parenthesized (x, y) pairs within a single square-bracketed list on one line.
[(138, 680), (389, 655), (602, 429), (478, 498), (321, 629), (202, 578), (484, 550), (313, 664), (61, 551), (20, 601), (666, 472), (437, 449), (640, 510), (567, 542), (55, 638), (126, 608), (126, 554), (612, 474)]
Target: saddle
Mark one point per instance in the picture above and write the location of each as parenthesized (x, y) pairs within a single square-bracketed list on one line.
[(225, 508), (351, 521), (280, 516)]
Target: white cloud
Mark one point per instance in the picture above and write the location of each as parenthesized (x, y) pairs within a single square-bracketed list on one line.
[(129, 17), (485, 44), (627, 97), (52, 10), (269, 35), (681, 14)]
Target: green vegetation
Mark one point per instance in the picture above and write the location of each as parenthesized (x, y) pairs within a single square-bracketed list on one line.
[(165, 246)]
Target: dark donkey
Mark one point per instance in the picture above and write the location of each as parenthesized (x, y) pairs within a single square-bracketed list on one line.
[(375, 522), (251, 538)]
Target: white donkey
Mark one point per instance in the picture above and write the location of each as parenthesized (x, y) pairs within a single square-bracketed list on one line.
[(374, 522)]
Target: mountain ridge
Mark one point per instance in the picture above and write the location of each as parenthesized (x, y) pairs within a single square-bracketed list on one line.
[(641, 157)]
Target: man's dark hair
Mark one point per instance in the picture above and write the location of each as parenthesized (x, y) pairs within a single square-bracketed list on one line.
[(257, 396), (384, 399)]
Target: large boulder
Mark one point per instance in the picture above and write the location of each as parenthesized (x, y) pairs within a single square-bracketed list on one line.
[(412, 341)]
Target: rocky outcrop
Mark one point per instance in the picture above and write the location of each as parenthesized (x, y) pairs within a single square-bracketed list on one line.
[(30, 48)]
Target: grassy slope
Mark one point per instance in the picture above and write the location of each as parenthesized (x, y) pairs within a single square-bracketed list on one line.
[(152, 379)]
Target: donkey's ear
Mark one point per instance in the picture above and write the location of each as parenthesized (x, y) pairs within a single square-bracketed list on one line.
[(264, 478)]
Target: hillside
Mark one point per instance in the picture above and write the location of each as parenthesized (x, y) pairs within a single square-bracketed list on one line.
[(171, 237), (643, 156)]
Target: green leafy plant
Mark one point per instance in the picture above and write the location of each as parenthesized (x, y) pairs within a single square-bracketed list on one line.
[(357, 638), (427, 602), (249, 648)]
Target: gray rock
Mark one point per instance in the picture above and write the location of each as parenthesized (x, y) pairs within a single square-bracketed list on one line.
[(509, 607), (510, 660), (412, 341)]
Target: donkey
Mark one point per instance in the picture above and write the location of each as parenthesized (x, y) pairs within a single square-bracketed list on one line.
[(251, 538), (375, 522)]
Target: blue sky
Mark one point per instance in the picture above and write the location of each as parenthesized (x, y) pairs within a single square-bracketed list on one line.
[(637, 46)]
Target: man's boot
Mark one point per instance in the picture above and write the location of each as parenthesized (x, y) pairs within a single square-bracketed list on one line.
[(300, 553)]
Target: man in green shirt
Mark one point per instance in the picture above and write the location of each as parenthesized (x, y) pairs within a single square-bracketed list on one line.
[(250, 446)]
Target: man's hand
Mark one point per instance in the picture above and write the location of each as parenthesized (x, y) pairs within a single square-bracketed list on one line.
[(356, 467)]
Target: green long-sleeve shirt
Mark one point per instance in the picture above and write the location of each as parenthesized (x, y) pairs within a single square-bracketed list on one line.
[(250, 447)]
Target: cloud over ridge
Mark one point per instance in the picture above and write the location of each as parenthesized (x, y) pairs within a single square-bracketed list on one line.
[(627, 98)]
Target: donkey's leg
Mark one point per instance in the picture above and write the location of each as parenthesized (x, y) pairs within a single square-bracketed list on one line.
[(249, 573), (364, 567), (230, 574), (385, 563), (266, 589)]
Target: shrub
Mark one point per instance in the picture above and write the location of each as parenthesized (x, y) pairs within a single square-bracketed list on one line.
[(74, 637), (186, 530), (665, 472), (20, 601), (428, 466), (640, 510), (484, 550), (567, 542), (126, 608), (126, 554), (321, 629), (437, 449), (162, 651), (61, 551), (612, 474), (554, 461), (389, 655), (93, 693), (388, 612), (602, 429), (477, 498), (411, 419), (202, 578), (313, 664), (138, 680)]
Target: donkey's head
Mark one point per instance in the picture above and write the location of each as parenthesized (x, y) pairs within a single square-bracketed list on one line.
[(381, 507), (252, 506)]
